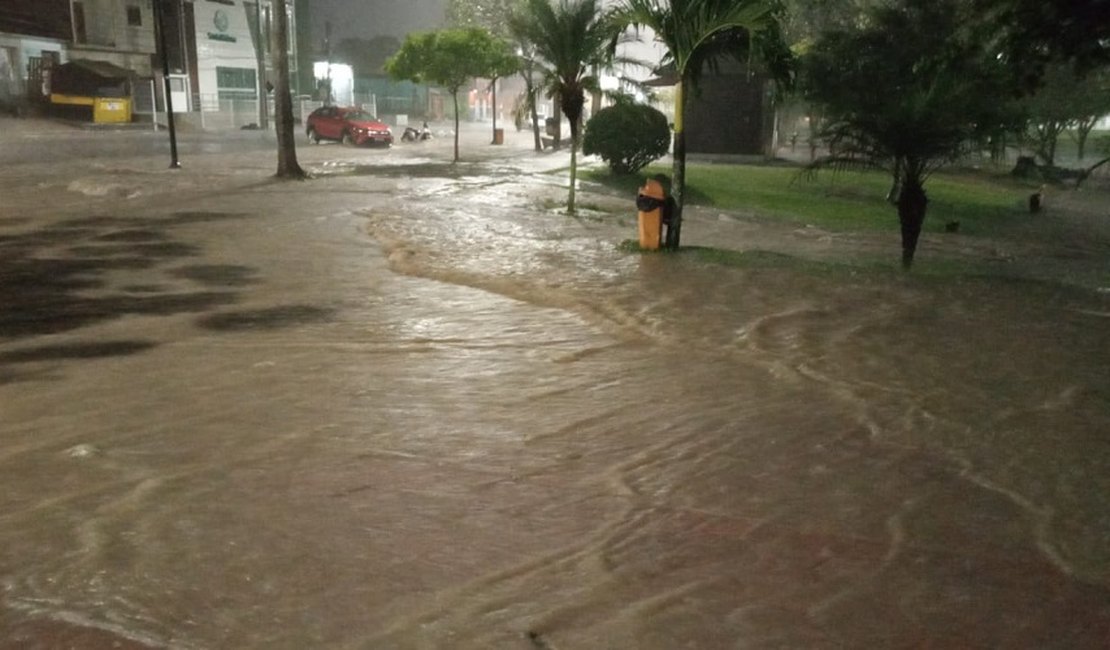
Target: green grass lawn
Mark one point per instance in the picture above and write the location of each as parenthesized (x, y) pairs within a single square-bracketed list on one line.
[(982, 203), (991, 205)]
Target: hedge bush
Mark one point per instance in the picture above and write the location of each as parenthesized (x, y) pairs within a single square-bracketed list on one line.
[(627, 136)]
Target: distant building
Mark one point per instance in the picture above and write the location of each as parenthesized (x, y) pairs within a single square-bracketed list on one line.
[(731, 112), (34, 37), (217, 50), (220, 52), (120, 32)]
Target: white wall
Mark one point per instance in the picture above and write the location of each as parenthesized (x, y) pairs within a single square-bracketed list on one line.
[(223, 40), (27, 47)]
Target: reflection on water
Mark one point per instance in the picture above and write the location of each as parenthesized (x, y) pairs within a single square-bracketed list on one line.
[(500, 432)]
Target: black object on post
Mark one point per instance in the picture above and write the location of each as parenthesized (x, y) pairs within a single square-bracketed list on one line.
[(161, 27)]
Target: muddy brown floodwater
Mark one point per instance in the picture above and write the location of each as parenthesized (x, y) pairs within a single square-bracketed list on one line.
[(408, 405)]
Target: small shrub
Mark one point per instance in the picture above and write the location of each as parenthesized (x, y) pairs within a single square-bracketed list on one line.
[(627, 136)]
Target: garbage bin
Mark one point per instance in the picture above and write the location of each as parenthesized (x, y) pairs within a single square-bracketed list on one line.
[(499, 136), (649, 203)]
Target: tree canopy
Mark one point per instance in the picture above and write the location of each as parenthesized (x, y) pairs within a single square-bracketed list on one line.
[(491, 15), (575, 38), (908, 91), (449, 58), (1032, 34)]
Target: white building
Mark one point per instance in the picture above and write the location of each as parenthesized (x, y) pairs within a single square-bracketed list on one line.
[(225, 72)]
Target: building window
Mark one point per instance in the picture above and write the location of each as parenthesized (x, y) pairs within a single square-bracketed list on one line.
[(80, 34), (134, 16), (236, 83)]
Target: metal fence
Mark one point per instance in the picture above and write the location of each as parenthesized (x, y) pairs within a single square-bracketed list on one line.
[(222, 113), (213, 112), (392, 97)]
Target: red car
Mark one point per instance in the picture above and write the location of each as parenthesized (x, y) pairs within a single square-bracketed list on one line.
[(348, 125)]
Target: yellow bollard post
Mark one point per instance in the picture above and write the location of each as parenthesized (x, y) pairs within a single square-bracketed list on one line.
[(650, 202)]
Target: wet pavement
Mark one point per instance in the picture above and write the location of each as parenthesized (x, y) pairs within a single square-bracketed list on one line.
[(409, 404)]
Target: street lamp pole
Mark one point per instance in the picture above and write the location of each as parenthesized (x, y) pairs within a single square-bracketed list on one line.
[(160, 27)]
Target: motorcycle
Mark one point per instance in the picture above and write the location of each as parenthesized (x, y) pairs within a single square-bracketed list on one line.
[(412, 134)]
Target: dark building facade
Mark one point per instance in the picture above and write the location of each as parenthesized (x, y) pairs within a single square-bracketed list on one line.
[(730, 113), (41, 18)]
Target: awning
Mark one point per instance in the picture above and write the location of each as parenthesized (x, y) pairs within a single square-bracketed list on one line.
[(85, 78)]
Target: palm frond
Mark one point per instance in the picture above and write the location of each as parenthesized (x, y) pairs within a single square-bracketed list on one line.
[(686, 26)]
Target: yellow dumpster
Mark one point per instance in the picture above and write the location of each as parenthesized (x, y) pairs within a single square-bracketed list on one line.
[(92, 89), (112, 110), (649, 203)]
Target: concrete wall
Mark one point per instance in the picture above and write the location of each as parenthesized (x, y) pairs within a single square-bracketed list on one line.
[(107, 26), (110, 37)]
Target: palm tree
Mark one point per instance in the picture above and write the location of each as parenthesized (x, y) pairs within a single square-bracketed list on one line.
[(695, 32), (906, 93), (528, 69), (574, 38)]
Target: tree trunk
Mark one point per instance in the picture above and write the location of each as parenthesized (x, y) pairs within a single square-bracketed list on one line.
[(493, 86), (573, 111), (573, 166), (813, 119), (998, 147), (455, 97), (678, 183), (530, 88), (1082, 131), (595, 96), (912, 204), (1086, 173), (558, 117), (1047, 135), (895, 183), (287, 145)]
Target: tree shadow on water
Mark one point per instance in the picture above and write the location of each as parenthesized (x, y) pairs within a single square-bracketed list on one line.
[(266, 319), (13, 363), (64, 351), (86, 271), (217, 275)]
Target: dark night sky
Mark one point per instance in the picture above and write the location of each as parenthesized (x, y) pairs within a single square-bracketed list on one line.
[(369, 18)]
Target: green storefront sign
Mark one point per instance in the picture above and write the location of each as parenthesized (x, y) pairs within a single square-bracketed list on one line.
[(221, 22)]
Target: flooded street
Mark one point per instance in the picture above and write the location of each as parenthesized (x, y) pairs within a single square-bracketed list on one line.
[(412, 405)]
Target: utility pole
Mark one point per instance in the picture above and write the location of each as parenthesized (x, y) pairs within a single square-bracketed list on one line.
[(263, 103), (330, 99), (160, 27)]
